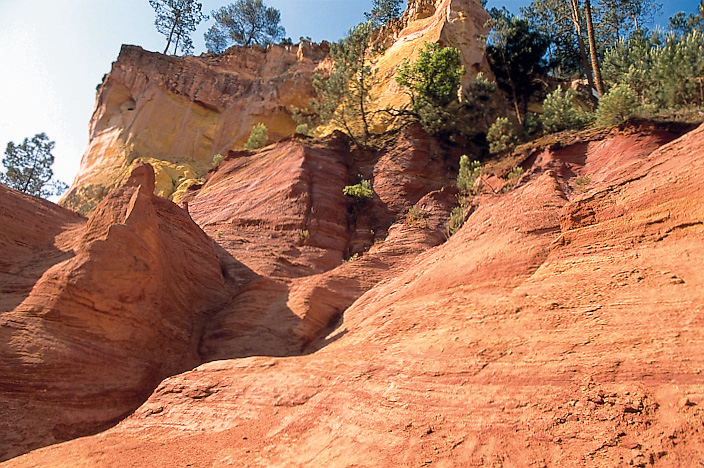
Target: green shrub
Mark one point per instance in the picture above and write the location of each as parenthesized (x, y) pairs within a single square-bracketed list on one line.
[(361, 191), (559, 112), (582, 182), (480, 102), (456, 220), (617, 106), (257, 138), (469, 172), (515, 173), (513, 177), (433, 82), (415, 217), (302, 129), (217, 159), (501, 136), (531, 125)]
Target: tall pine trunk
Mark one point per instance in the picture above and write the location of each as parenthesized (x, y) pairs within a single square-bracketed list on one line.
[(592, 49), (577, 22)]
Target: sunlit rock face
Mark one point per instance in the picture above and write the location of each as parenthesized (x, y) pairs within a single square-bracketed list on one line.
[(178, 112), (462, 24), (560, 326), (95, 312)]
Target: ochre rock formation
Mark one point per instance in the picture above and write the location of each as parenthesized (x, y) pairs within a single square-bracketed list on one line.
[(282, 215), (561, 326), (96, 312), (178, 112), (462, 24)]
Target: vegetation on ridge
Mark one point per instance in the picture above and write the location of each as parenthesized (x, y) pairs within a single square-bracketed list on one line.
[(28, 167), (244, 22), (177, 19)]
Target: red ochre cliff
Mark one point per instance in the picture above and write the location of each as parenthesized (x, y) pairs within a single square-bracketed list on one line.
[(562, 325), (269, 320)]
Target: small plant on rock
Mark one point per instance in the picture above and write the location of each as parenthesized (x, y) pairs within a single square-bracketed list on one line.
[(456, 220), (513, 177), (303, 129), (469, 173), (501, 136), (257, 138), (361, 191), (415, 217), (582, 182), (617, 106), (217, 159)]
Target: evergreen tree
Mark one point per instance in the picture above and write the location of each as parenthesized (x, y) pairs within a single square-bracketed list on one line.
[(345, 94), (553, 19), (516, 53), (177, 19), (681, 24), (244, 22), (618, 19), (28, 167), (433, 82), (384, 11)]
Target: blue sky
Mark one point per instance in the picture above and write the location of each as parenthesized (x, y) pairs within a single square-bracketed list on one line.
[(55, 53)]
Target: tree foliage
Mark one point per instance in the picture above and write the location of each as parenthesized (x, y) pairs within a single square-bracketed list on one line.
[(618, 19), (345, 94), (433, 83), (617, 106), (565, 24), (258, 137), (244, 22), (560, 112), (553, 19), (682, 24), (177, 19), (469, 173), (434, 77), (516, 53), (501, 136), (479, 103), (663, 72), (384, 11), (28, 167)]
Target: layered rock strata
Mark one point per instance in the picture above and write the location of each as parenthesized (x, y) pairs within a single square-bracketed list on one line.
[(178, 112), (111, 312), (561, 326)]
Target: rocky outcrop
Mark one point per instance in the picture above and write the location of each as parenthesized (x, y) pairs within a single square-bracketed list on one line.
[(137, 292), (281, 213), (178, 112), (462, 24), (560, 326), (112, 310)]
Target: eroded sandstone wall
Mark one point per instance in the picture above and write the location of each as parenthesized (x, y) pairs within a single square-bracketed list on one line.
[(178, 112)]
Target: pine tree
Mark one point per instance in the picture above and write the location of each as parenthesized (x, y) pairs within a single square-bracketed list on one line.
[(28, 167), (345, 94), (177, 19), (244, 22), (384, 11)]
